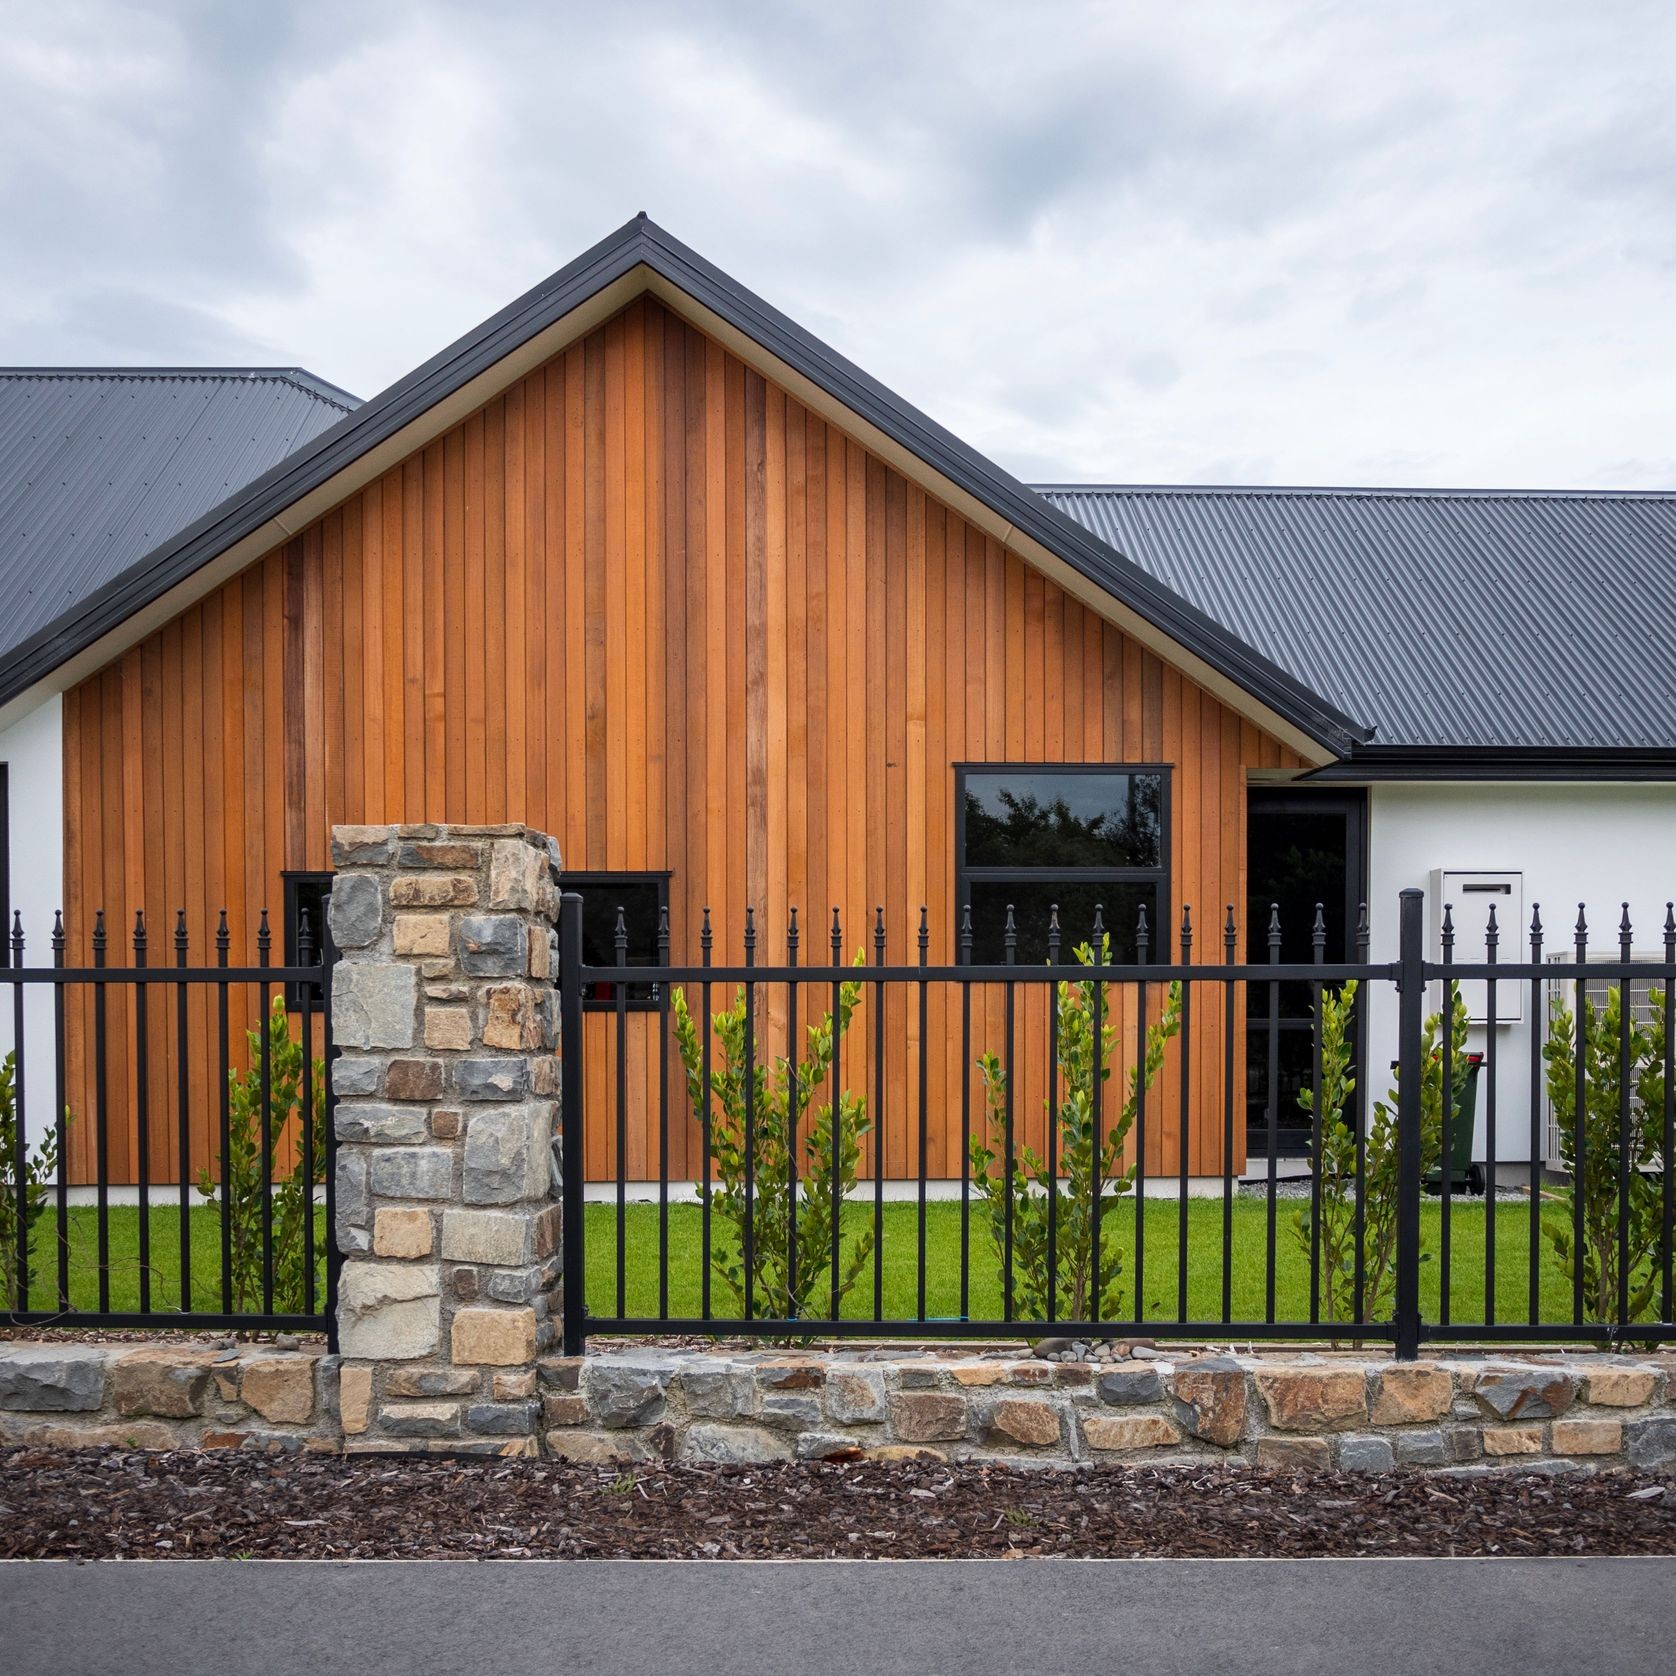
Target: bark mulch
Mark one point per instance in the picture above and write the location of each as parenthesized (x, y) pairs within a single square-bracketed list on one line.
[(111, 1504)]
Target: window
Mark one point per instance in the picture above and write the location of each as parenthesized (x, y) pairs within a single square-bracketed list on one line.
[(305, 893), (1081, 836), (643, 897)]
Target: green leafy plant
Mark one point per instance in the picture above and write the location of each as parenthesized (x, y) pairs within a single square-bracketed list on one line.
[(35, 1170), (241, 1188), (1029, 1193), (1594, 1188), (790, 1273), (1336, 1165)]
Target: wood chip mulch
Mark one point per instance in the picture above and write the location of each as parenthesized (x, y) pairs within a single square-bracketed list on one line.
[(111, 1504)]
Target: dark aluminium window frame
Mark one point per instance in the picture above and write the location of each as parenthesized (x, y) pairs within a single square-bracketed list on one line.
[(299, 995), (641, 998), (1162, 932), (5, 865)]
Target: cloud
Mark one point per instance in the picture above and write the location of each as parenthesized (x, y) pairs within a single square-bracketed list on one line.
[(1284, 240)]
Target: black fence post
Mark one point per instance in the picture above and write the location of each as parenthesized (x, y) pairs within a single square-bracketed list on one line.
[(570, 1120), (1411, 1008), (334, 1252)]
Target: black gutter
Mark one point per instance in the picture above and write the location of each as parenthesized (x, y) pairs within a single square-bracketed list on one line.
[(1499, 762), (643, 242)]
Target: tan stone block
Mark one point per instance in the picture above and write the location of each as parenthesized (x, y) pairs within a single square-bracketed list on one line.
[(514, 873), (1213, 1401), (223, 1440), (1619, 1387), (131, 1434), (512, 1387), (172, 1383), (510, 1020), (1018, 1420), (927, 1416), (401, 1233), (596, 1449), (431, 1382), (1030, 1373), (1314, 1399), (1588, 1437), (445, 1125), (447, 1028), (903, 1452), (360, 845), (280, 1388), (541, 953), (1124, 1433), (1294, 1454), (354, 1397), (421, 934), (433, 890), (1412, 1394), (493, 1337), (1512, 1440), (455, 855), (564, 1409), (546, 1075), (978, 1373)]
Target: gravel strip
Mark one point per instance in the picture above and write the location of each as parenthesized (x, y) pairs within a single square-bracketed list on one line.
[(91, 1504)]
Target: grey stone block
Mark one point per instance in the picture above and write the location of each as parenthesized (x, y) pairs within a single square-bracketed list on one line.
[(382, 1125), (518, 1286), (420, 1419), (493, 945), (824, 1446), (506, 1156), (412, 1172), (624, 1394), (373, 1005), (785, 1410), (1525, 1393), (356, 1076), (353, 1205), (487, 1236), (717, 1391), (389, 1311), (491, 1079), (1365, 1454), (1651, 1444), (355, 908), (1125, 1386), (47, 1378), (733, 1445), (503, 1419), (1424, 1448)]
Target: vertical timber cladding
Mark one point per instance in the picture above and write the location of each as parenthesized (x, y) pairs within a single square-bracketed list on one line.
[(647, 601)]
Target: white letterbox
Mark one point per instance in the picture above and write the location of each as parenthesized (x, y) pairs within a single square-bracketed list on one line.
[(1470, 895)]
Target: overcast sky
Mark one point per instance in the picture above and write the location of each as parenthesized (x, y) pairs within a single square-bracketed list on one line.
[(1261, 242)]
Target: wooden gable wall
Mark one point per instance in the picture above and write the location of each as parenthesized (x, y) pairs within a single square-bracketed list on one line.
[(648, 602)]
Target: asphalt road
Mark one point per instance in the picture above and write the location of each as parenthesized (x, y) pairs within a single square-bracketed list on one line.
[(808, 1618)]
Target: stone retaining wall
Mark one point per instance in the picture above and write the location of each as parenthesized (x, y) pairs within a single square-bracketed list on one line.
[(1286, 1411), (169, 1397)]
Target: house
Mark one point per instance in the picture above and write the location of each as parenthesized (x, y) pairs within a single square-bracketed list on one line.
[(642, 563)]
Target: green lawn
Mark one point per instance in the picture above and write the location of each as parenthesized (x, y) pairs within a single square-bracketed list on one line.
[(204, 1228), (1204, 1262)]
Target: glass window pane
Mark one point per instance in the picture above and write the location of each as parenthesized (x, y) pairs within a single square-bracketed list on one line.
[(1032, 904), (639, 900), (1048, 819)]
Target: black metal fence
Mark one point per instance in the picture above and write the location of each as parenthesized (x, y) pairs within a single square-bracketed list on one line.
[(793, 1226), (171, 1162)]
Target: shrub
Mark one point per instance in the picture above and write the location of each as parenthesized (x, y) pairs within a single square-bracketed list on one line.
[(242, 1170), (1595, 1188), (780, 1102), (1029, 1192), (36, 1170), (1336, 1166)]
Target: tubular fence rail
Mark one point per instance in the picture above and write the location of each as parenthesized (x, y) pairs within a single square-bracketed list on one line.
[(794, 1234), (154, 1067)]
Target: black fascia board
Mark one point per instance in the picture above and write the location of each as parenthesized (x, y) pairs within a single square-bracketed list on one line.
[(1500, 762), (642, 241)]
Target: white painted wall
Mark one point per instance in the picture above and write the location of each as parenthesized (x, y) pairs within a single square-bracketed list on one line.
[(1601, 844), (32, 749)]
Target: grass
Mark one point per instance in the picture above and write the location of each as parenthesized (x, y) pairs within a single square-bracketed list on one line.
[(943, 1241), (123, 1233), (1160, 1303)]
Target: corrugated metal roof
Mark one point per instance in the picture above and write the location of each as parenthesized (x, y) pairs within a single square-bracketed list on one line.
[(100, 464), (1438, 617)]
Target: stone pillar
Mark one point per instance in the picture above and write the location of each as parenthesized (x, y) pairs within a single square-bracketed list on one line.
[(447, 1076)]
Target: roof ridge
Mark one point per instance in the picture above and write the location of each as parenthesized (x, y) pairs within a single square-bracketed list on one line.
[(299, 377), (1348, 491)]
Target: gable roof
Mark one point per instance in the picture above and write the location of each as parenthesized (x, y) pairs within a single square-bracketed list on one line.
[(1511, 622), (98, 465), (641, 256)]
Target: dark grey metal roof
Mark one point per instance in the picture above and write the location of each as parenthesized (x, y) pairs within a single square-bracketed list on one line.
[(98, 465), (1455, 618)]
